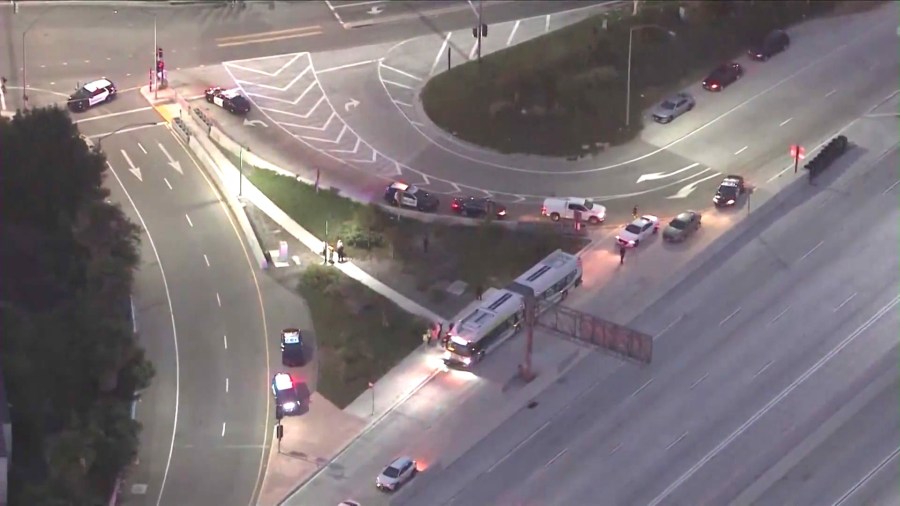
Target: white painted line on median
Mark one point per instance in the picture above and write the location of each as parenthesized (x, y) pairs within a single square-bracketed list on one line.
[(142, 148), (810, 252), (394, 83), (830, 93), (206, 259), (663, 331), (218, 299), (785, 122), (773, 320), (440, 54), (407, 74), (772, 403), (741, 150), (673, 443), (167, 183), (226, 385), (474, 50), (732, 315), (639, 390), (762, 369), (189, 221), (347, 66), (358, 4), (223, 429), (529, 438), (891, 187), (126, 130), (114, 114), (868, 477), (547, 24), (513, 33), (694, 384), (225, 340), (615, 449), (554, 459), (404, 104), (474, 10), (842, 304)]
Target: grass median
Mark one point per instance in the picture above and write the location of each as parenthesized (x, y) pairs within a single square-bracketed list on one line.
[(564, 93)]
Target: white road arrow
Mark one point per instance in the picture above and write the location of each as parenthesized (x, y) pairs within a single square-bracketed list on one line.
[(351, 104), (175, 164), (134, 170), (252, 122), (376, 10), (662, 175), (689, 188)]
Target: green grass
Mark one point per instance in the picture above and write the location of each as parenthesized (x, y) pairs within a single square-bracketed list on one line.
[(572, 83), (360, 334)]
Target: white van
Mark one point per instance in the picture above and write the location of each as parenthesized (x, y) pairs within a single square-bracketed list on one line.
[(564, 208)]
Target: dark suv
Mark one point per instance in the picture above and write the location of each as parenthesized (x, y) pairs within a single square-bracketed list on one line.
[(774, 43)]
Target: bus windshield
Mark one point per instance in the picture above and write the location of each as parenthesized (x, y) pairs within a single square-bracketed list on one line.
[(461, 349)]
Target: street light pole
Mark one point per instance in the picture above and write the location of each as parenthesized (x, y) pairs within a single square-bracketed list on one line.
[(241, 173), (24, 71), (628, 79), (480, 24), (154, 67)]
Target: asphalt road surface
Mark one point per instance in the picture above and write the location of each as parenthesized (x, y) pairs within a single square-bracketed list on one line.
[(212, 382), (768, 343)]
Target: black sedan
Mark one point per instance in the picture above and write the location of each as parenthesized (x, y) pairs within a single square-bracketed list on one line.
[(477, 207), (292, 348), (722, 76), (774, 43)]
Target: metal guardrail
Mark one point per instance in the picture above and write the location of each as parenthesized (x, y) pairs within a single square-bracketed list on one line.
[(181, 129), (605, 334)]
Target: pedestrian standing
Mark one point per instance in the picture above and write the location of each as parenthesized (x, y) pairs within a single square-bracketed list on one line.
[(479, 291), (634, 212), (325, 253), (340, 251), (425, 244), (621, 254)]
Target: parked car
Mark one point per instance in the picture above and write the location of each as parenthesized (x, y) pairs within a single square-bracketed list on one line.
[(558, 208), (230, 100), (672, 107), (477, 207), (682, 226), (639, 229), (396, 474), (91, 94), (284, 389), (731, 188), (773, 43), (406, 195), (292, 353), (722, 76)]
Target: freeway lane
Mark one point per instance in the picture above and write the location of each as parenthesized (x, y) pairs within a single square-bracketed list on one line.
[(223, 408), (734, 339)]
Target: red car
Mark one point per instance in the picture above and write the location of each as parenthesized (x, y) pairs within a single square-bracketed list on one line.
[(722, 76)]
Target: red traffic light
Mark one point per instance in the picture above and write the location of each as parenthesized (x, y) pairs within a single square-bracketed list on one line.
[(798, 151)]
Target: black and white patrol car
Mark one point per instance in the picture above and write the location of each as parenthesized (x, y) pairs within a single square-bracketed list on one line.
[(292, 348), (91, 94), (731, 188), (230, 100), (407, 195), (287, 397)]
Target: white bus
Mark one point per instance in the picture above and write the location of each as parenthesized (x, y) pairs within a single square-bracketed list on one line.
[(552, 278), (496, 319)]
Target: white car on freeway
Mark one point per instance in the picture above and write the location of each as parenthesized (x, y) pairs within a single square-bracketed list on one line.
[(638, 230)]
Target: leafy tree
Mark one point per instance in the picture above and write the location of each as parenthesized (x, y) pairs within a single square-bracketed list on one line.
[(68, 353)]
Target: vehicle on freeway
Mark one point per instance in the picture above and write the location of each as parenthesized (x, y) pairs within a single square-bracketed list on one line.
[(406, 195), (558, 208), (550, 279), (477, 207), (773, 43), (292, 348), (672, 107), (731, 188), (284, 388), (682, 226), (479, 330), (638, 230), (93, 93), (722, 76), (230, 100), (396, 474)]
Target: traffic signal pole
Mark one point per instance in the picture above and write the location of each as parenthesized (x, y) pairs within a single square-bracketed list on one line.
[(480, 27), (154, 67)]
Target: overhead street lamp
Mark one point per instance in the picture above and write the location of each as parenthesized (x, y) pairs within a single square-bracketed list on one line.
[(153, 67), (133, 126), (630, 42), (25, 54)]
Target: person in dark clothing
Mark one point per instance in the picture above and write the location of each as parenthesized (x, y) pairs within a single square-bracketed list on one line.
[(479, 291), (340, 251), (622, 255), (634, 212), (425, 244)]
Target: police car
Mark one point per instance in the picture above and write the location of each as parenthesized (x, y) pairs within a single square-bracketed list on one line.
[(91, 94), (292, 348), (285, 391), (731, 188), (407, 195), (230, 100)]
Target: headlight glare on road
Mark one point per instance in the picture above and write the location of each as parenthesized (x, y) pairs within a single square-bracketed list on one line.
[(289, 406)]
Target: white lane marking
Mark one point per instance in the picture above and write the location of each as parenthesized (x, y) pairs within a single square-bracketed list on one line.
[(404, 104), (512, 33), (529, 438), (114, 114), (142, 148), (639, 390), (673, 443), (347, 66), (868, 477), (785, 122), (694, 384), (891, 187), (407, 74), (395, 83), (358, 4), (129, 129), (162, 485), (732, 315), (218, 299), (663, 331), (846, 301), (615, 449), (226, 385), (225, 340), (474, 49), (830, 93), (189, 221), (554, 459), (167, 183), (440, 54), (741, 150), (762, 369), (223, 429), (206, 259), (773, 320), (810, 252), (547, 24), (772, 403)]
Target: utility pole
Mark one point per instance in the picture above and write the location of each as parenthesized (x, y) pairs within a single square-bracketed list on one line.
[(525, 368), (155, 67), (480, 27)]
